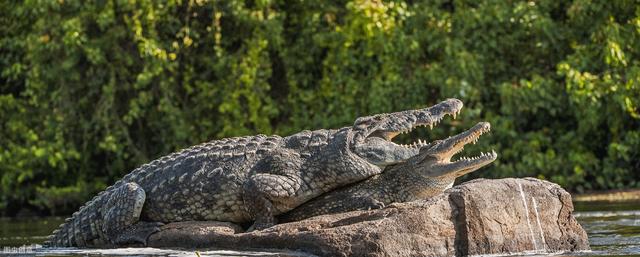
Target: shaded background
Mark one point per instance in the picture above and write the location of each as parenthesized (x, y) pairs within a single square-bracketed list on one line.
[(90, 90)]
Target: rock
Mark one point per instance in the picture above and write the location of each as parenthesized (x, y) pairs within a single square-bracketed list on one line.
[(193, 234), (516, 215), (478, 217)]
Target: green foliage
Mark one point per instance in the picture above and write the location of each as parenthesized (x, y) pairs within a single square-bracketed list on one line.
[(91, 89)]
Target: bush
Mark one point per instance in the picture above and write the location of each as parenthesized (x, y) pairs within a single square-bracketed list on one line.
[(91, 89)]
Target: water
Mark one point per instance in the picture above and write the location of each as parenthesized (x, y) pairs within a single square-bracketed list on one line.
[(17, 232), (613, 229)]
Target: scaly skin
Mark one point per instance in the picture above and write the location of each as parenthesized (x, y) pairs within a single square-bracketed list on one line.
[(243, 179), (421, 177)]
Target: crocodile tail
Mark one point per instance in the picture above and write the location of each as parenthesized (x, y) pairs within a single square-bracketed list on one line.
[(82, 229)]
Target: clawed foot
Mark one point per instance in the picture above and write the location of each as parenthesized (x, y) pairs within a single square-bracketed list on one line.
[(375, 206), (260, 225), (138, 233)]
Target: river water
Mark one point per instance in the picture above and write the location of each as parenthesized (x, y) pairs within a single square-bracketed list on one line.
[(613, 229)]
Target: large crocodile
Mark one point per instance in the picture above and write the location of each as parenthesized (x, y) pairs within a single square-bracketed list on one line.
[(422, 176), (243, 179)]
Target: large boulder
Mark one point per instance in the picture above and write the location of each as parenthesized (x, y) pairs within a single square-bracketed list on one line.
[(478, 217)]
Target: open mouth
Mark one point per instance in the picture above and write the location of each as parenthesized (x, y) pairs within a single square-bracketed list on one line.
[(471, 136), (430, 118), (419, 142)]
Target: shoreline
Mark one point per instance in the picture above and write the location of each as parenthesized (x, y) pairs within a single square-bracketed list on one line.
[(619, 195)]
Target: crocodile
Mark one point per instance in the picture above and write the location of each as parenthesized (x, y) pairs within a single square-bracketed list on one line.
[(422, 176), (243, 180)]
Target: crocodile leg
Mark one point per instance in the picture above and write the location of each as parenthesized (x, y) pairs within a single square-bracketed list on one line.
[(121, 215), (334, 202), (276, 180)]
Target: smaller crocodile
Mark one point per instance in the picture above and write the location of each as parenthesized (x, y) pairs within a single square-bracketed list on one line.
[(422, 176)]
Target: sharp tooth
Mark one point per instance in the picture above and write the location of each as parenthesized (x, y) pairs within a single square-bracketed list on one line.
[(454, 115), (430, 125)]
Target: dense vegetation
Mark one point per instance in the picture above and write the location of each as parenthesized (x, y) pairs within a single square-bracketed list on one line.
[(91, 89)]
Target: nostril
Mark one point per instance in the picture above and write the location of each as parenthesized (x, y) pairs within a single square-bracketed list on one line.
[(455, 102)]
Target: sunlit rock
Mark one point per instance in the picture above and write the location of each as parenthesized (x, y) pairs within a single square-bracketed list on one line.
[(477, 217)]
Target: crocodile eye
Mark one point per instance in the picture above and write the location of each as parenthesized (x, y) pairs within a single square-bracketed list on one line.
[(363, 121), (368, 120)]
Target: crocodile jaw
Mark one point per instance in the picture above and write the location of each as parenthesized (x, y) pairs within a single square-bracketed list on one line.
[(372, 135), (434, 160)]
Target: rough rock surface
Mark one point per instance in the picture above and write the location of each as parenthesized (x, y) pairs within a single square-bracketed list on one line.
[(477, 217)]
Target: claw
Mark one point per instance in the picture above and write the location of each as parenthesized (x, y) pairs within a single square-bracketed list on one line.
[(138, 233)]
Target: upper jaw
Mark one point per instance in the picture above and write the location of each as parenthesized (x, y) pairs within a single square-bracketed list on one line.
[(406, 121), (455, 144)]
